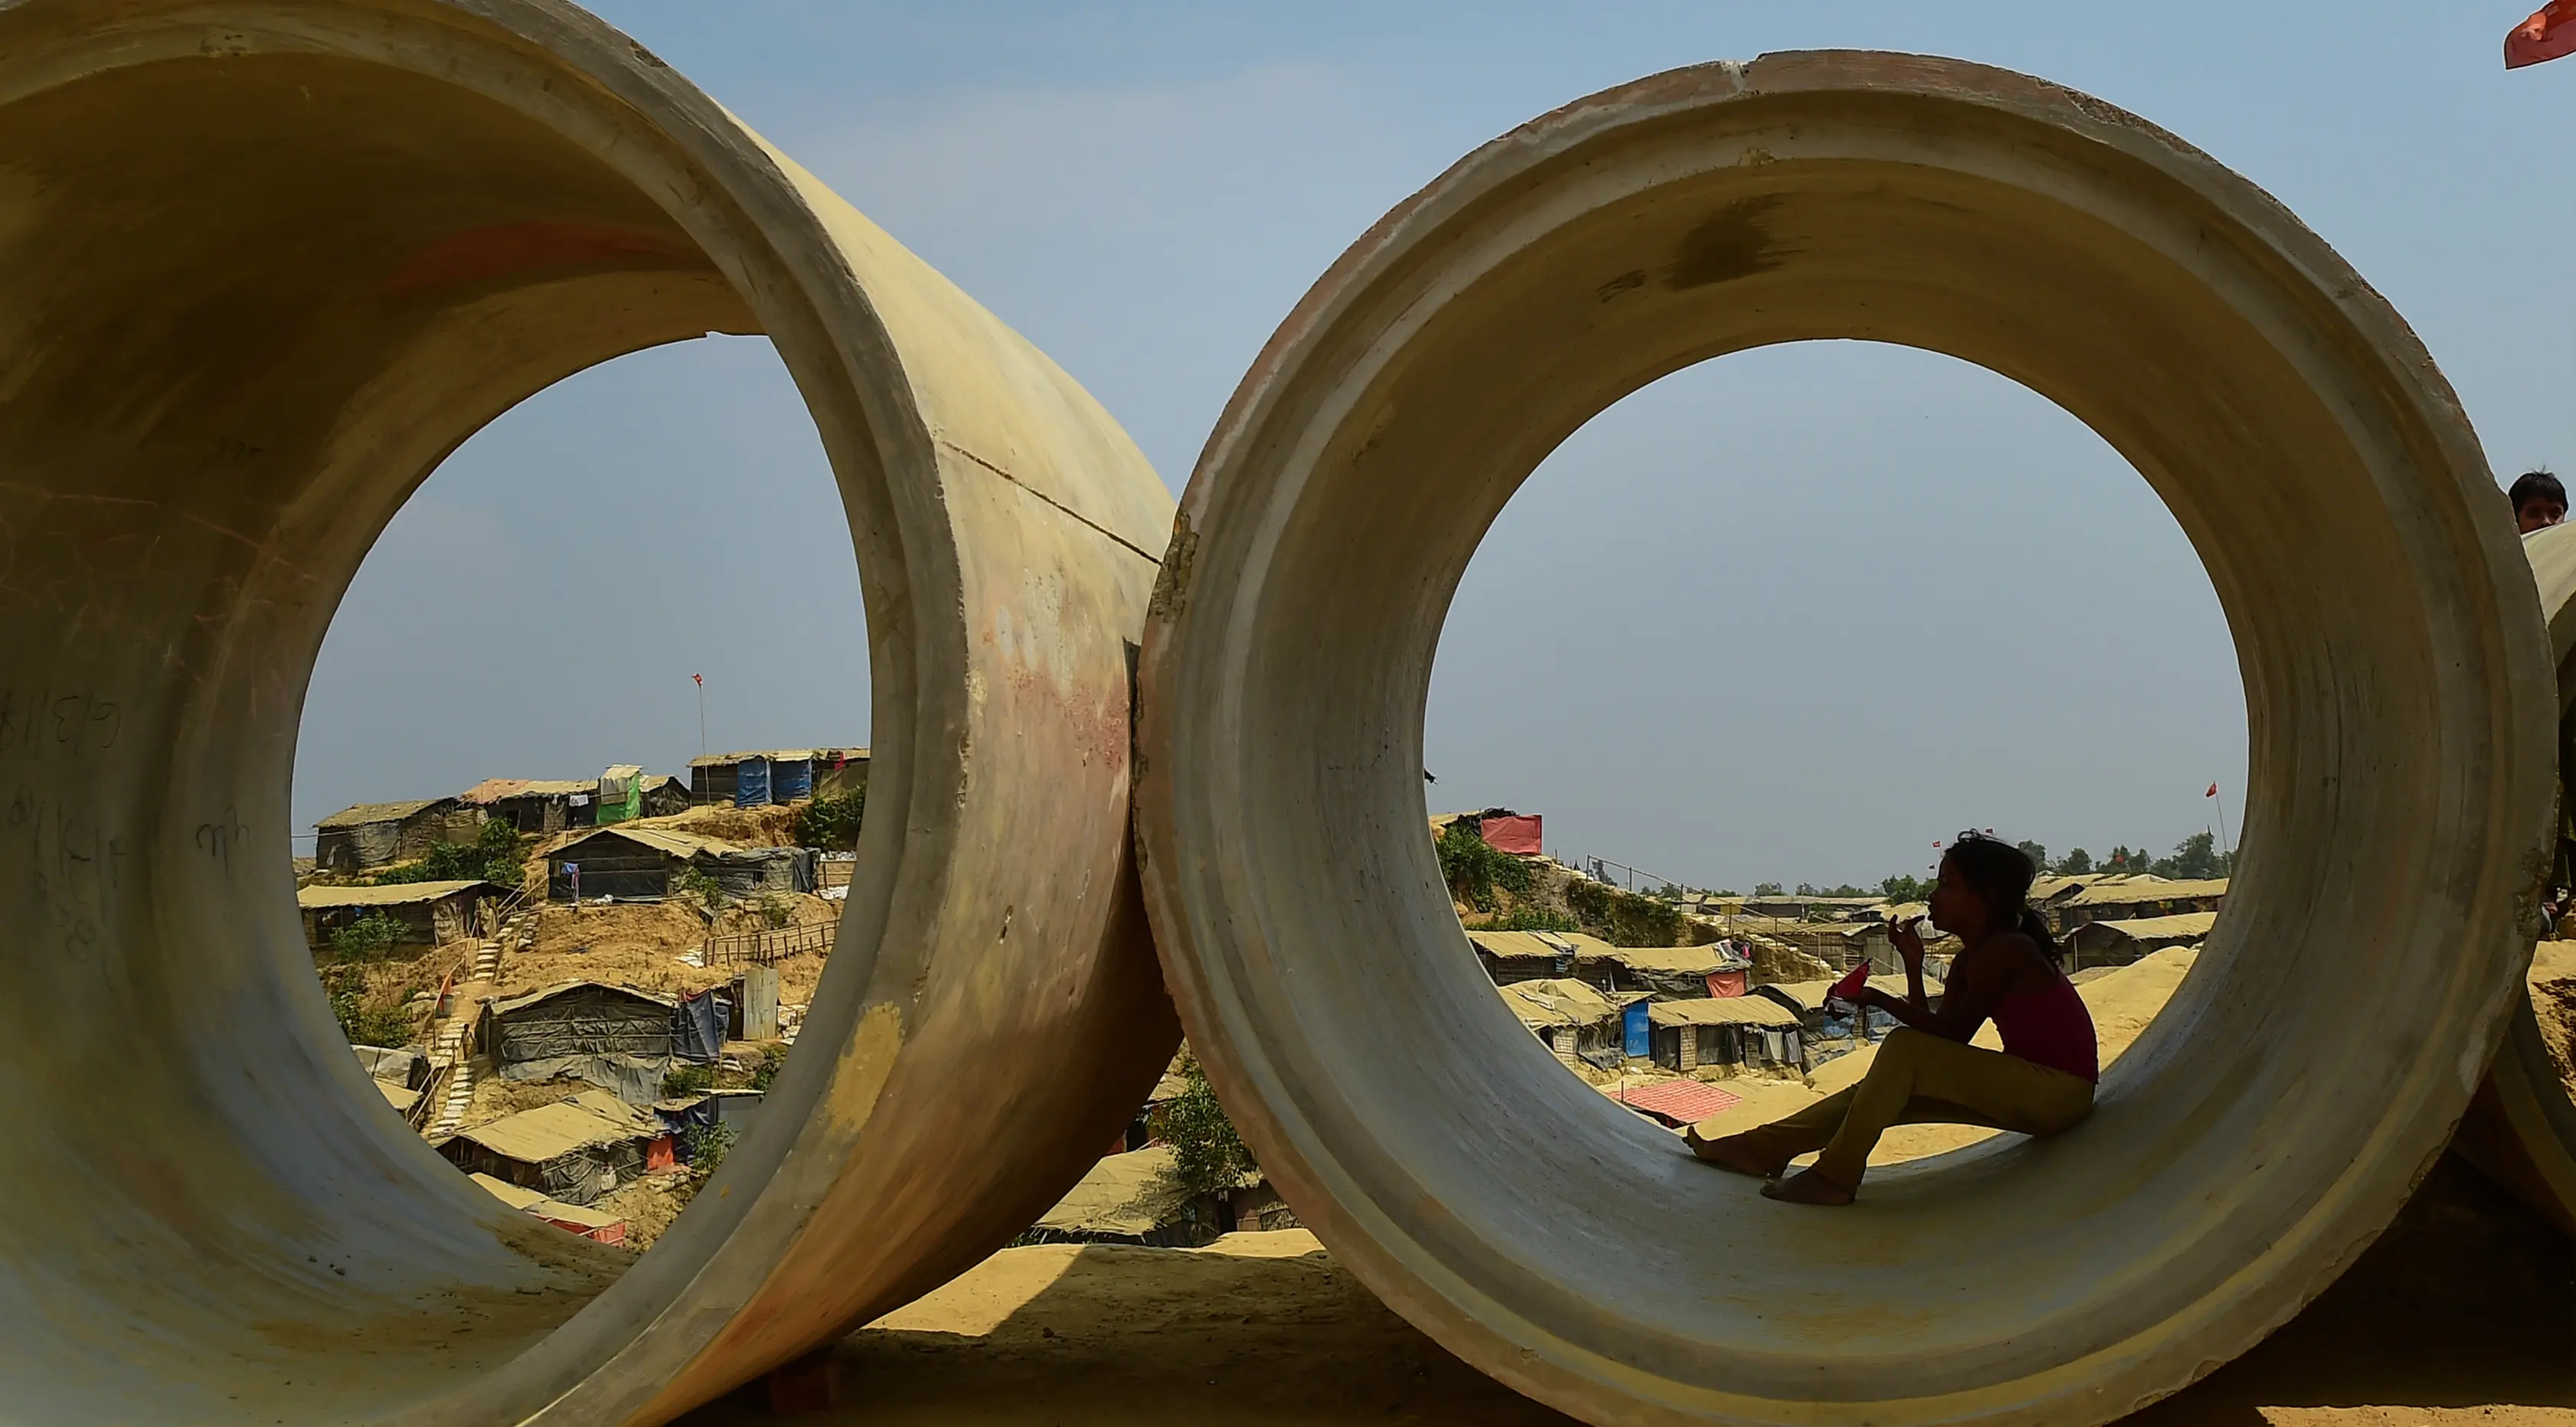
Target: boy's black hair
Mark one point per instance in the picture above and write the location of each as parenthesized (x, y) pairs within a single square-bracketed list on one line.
[(2536, 485)]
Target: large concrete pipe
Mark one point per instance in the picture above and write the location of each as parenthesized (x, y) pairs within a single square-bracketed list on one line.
[(2522, 1128), (265, 264), (2397, 685)]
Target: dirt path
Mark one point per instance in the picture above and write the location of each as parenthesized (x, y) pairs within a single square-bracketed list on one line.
[(2464, 1313)]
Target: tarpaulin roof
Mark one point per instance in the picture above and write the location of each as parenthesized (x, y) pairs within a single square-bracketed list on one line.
[(2181, 924), (1723, 1011), (2129, 892), (398, 894), (1543, 945), (1669, 960), (676, 844), (526, 999), (535, 1136), (1124, 1194), (1560, 1003), (1683, 1101), (360, 814), (779, 755)]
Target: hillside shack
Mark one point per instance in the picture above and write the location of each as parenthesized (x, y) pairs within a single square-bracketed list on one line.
[(365, 835), (761, 777), (2118, 943), (664, 796), (429, 912), (615, 1037), (633, 864), (574, 1151), (1731, 1030), (1666, 972), (535, 806), (621, 795), (1528, 956), (2134, 899), (1576, 1022)]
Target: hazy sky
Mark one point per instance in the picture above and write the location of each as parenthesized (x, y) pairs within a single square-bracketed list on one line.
[(1697, 639)]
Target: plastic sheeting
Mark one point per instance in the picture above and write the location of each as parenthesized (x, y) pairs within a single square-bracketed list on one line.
[(698, 1027), (751, 783), (1518, 835), (635, 1079)]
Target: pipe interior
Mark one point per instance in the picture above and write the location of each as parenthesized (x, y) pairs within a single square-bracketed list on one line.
[(246, 304), (1450, 1138)]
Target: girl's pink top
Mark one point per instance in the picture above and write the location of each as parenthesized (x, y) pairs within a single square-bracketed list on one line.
[(2050, 1028)]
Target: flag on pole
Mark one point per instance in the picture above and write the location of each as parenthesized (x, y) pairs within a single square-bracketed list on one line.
[(700, 679), (2549, 33), (2213, 791)]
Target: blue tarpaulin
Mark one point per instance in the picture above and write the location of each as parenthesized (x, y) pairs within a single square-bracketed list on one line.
[(1638, 1034), (751, 783), (790, 779)]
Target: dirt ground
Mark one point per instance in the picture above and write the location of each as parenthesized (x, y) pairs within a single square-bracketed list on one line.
[(640, 944), (2553, 998), (2464, 1312)]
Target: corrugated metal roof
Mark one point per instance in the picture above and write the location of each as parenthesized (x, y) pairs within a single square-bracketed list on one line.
[(1685, 1101), (360, 814), (399, 894), (535, 1136), (1723, 1011)]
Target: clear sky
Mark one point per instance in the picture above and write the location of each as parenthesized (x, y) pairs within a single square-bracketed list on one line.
[(1696, 640)]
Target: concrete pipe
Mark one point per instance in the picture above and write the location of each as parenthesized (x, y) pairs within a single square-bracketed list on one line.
[(2398, 693), (265, 264), (2522, 1128)]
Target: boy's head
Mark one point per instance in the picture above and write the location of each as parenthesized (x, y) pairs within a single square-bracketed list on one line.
[(2539, 501)]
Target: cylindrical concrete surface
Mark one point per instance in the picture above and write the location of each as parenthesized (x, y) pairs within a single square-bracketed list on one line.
[(265, 265), (2522, 1128), (2396, 677)]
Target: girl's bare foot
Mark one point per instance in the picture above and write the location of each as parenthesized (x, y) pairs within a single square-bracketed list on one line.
[(1807, 1187), (1730, 1152)]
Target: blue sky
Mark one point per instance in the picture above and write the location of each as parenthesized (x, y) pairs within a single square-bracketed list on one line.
[(1695, 641)]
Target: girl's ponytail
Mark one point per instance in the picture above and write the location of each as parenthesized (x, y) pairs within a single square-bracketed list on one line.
[(2035, 926)]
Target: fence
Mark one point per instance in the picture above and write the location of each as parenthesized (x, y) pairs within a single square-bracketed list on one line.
[(769, 948)]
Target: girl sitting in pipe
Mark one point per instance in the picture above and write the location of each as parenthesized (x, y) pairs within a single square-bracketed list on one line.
[(2040, 1083)]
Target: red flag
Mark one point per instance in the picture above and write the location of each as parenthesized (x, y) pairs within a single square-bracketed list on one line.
[(701, 679), (2549, 33), (2213, 791)]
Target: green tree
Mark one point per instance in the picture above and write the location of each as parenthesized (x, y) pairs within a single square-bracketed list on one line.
[(2075, 863), (2195, 857), (2037, 854), (1766, 889), (1208, 1154), (832, 823), (494, 856), (1905, 888)]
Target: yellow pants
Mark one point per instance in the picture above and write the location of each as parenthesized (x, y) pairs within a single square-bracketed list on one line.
[(1918, 1079)]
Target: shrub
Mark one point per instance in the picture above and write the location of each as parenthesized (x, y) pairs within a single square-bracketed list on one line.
[(695, 882), (1473, 869), (1208, 1155), (707, 1146), (368, 938), (1530, 917), (776, 909), (831, 823), (682, 1080), (361, 1023), (494, 856), (1624, 918)]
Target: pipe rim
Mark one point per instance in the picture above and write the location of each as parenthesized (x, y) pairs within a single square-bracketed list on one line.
[(1233, 794)]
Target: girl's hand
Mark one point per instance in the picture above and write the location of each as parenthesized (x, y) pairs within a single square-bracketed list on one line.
[(1908, 937)]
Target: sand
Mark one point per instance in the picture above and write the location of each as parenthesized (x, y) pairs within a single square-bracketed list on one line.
[(2553, 1000), (2462, 1314)]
